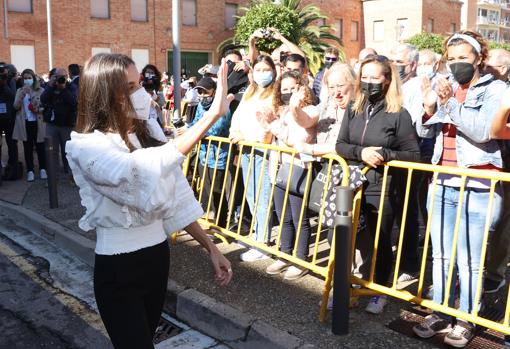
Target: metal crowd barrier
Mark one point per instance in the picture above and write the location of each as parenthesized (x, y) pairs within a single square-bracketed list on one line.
[(370, 286), (321, 257)]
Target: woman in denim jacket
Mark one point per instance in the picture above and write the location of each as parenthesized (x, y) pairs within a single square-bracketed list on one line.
[(459, 113)]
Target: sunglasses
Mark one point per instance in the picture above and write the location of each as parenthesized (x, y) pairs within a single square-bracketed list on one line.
[(330, 59)]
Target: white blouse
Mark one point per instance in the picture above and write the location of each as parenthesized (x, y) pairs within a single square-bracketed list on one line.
[(131, 198)]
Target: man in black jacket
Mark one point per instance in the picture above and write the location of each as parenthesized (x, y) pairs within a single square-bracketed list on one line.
[(59, 100), (7, 115)]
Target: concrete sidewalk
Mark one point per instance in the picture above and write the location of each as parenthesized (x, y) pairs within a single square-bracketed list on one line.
[(255, 311)]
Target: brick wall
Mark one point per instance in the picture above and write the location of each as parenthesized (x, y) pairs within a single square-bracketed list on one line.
[(75, 32), (445, 13)]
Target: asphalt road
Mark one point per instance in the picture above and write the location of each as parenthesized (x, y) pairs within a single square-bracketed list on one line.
[(46, 299)]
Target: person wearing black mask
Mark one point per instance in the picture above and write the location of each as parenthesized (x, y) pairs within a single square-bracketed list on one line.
[(7, 117), (150, 78), (330, 57), (60, 105), (377, 129), (405, 58), (217, 211), (459, 112)]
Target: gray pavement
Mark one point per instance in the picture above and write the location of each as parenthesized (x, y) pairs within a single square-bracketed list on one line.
[(267, 312)]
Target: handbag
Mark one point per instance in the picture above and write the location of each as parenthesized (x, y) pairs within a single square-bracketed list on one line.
[(297, 180), (317, 198)]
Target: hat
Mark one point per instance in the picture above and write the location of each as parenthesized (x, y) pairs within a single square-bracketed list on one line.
[(206, 83), (209, 69)]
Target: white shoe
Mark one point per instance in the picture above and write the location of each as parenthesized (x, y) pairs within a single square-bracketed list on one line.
[(277, 267), (376, 305), (253, 255), (43, 174), (30, 176)]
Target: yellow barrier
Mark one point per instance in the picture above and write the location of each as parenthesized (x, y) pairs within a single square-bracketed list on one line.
[(417, 297), (227, 179)]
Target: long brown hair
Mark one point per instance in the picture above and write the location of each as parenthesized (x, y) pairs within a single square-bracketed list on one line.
[(36, 85), (300, 80), (268, 90), (392, 96), (104, 102)]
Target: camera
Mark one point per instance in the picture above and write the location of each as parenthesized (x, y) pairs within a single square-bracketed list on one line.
[(267, 33), (178, 123), (61, 79)]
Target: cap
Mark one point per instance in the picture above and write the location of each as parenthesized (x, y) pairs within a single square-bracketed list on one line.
[(206, 83)]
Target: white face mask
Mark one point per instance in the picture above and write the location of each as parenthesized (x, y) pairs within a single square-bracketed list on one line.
[(141, 101), (425, 70)]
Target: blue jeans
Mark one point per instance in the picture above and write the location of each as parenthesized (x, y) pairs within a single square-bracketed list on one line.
[(470, 240), (251, 185)]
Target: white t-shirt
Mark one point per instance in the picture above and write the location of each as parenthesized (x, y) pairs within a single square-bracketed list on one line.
[(29, 116)]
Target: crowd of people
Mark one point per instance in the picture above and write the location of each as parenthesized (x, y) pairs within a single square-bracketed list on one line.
[(412, 105)]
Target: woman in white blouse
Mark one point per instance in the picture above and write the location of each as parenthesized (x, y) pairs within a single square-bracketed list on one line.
[(134, 193)]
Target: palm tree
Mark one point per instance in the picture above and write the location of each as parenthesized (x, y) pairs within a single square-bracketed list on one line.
[(308, 31)]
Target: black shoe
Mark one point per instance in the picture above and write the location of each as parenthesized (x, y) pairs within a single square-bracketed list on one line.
[(491, 286)]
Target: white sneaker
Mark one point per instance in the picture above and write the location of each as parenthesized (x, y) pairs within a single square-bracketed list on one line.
[(376, 305), (277, 267), (43, 174), (253, 255), (30, 176)]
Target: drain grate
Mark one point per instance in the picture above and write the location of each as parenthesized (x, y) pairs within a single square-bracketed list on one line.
[(165, 330)]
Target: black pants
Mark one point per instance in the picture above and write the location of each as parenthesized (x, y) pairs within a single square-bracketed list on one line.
[(7, 126), (130, 291), (216, 190), (28, 147), (290, 222)]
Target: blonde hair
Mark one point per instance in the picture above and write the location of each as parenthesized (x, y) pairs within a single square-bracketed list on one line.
[(392, 92), (343, 69)]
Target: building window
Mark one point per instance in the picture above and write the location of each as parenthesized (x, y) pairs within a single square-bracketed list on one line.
[(430, 25), (378, 31), (230, 15), (402, 29), (141, 57), (100, 8), (19, 6), (23, 56), (339, 29), (453, 27), (189, 12), (354, 30), (96, 50), (139, 10)]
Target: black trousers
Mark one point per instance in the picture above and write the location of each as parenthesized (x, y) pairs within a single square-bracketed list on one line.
[(130, 291), (7, 126), (28, 147)]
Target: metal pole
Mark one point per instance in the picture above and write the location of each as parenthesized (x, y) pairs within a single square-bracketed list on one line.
[(343, 261), (51, 167), (6, 25), (176, 37), (50, 46)]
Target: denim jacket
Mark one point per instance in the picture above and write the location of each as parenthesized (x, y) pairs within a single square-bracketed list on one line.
[(473, 120), (220, 129)]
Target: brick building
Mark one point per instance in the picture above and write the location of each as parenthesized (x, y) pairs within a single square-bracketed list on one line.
[(388, 22), (491, 18), (141, 29)]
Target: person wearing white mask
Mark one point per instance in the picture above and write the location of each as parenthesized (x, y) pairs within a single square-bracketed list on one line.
[(427, 63), (249, 123), (134, 193), (29, 126)]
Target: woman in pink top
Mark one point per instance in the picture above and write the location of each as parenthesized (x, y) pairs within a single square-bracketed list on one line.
[(295, 124)]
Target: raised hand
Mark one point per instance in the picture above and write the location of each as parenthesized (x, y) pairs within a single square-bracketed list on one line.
[(444, 90), (220, 103), (297, 97), (429, 96)]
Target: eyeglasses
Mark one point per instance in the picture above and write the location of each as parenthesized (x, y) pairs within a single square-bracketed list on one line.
[(330, 59)]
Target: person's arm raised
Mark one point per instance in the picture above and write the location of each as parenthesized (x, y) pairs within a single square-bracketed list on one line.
[(219, 107)]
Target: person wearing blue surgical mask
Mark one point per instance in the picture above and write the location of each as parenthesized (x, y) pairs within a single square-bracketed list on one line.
[(249, 123), (28, 125)]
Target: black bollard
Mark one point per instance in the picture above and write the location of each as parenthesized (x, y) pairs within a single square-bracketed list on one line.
[(51, 168), (343, 261)]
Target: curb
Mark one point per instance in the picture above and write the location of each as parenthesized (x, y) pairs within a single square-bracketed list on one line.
[(221, 321)]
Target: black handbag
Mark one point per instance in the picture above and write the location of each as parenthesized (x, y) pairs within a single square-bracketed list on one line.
[(297, 180)]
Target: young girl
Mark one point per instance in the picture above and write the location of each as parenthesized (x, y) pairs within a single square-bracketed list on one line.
[(247, 125), (134, 193)]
